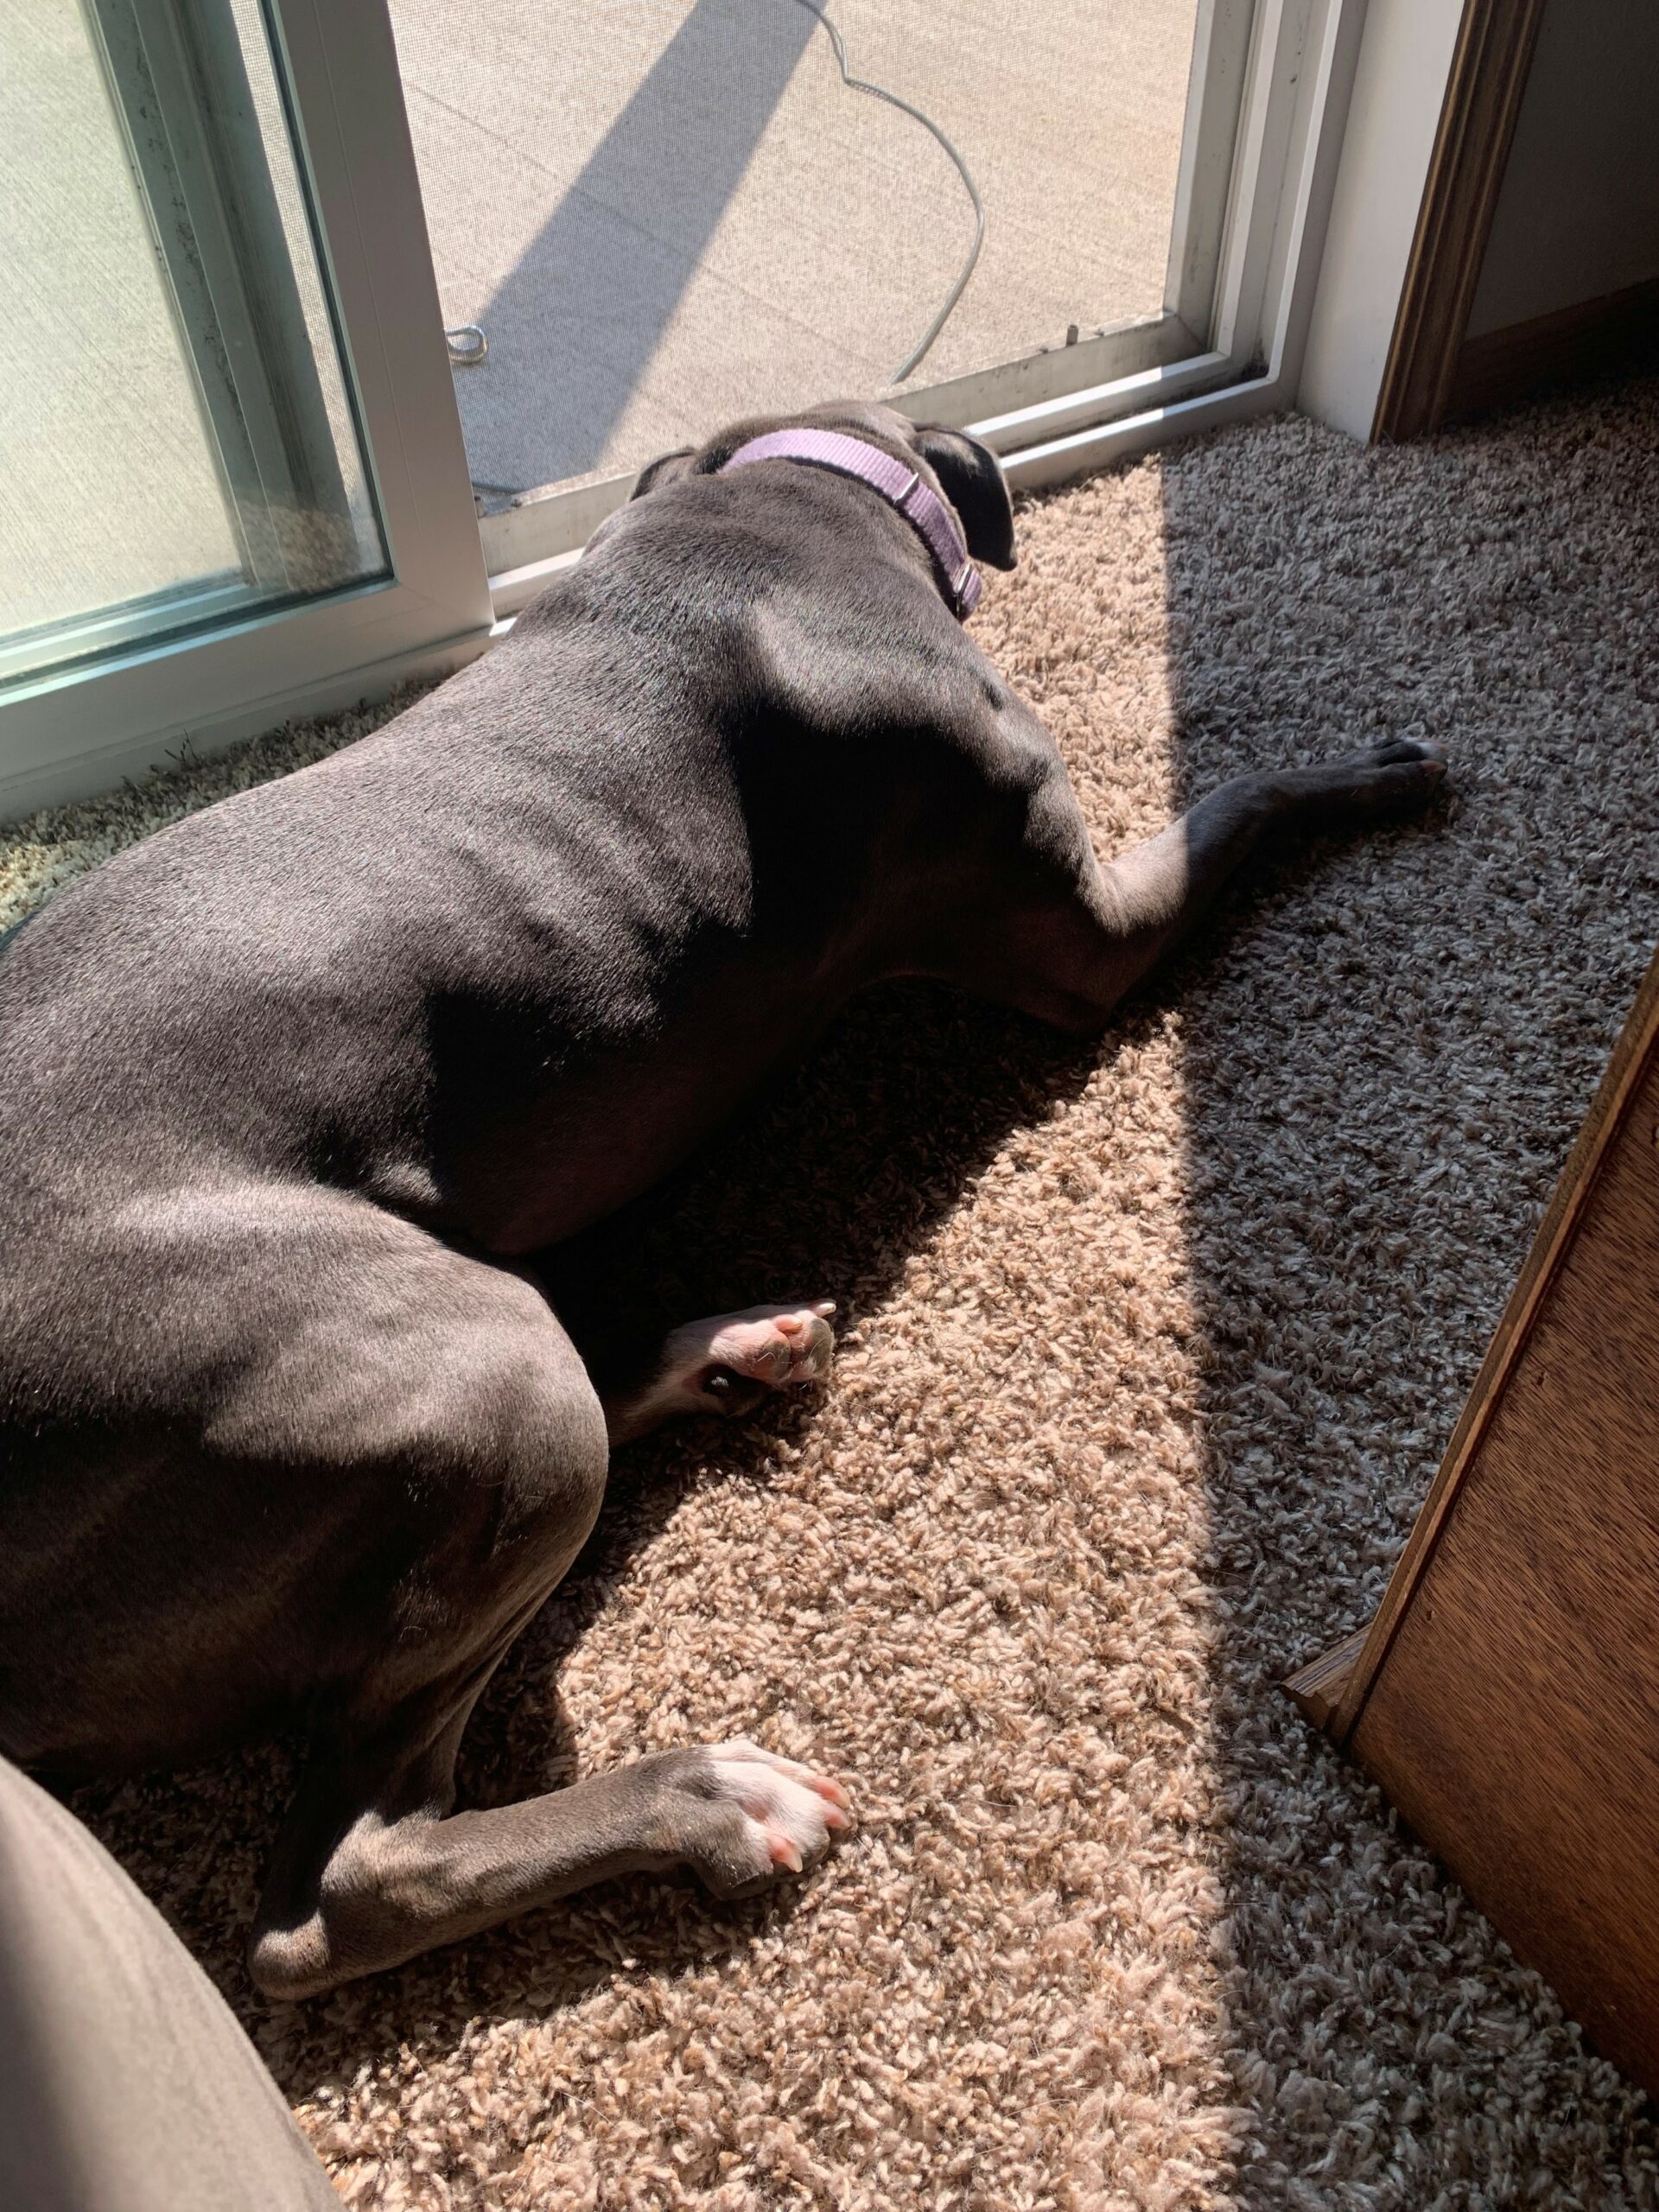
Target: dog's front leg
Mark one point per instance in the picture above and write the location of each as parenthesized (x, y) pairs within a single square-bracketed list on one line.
[(723, 1364), (1081, 955)]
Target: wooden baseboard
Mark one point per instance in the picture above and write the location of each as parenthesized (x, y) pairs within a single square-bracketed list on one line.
[(1504, 365), (1318, 1688)]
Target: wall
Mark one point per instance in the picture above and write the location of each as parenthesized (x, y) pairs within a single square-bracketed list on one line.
[(1577, 213)]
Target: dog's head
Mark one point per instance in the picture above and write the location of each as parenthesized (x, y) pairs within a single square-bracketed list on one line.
[(964, 471)]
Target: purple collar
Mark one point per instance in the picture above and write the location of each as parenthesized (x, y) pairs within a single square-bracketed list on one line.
[(921, 505)]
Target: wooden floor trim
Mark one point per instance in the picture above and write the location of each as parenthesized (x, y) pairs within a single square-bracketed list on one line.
[(1565, 1209), (1504, 365), (1318, 1688)]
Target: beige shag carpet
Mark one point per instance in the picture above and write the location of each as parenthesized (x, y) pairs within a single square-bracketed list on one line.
[(1152, 1350)]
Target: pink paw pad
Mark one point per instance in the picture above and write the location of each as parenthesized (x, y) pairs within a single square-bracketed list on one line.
[(792, 1810), (779, 1346), (722, 1364)]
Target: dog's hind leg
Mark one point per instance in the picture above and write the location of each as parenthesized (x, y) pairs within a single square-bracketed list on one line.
[(372, 1866), (474, 1455)]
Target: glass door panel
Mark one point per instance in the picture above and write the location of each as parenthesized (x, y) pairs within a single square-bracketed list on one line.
[(178, 443)]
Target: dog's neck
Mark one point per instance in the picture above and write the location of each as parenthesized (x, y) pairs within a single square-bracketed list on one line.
[(899, 484)]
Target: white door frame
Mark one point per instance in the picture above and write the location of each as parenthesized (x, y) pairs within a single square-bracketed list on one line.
[(1285, 165), (80, 729)]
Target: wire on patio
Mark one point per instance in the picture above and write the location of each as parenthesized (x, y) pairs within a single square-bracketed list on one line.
[(914, 359)]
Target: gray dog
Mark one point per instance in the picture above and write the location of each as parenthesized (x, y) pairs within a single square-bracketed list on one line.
[(288, 1093)]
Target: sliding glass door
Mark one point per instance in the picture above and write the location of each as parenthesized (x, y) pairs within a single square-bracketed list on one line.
[(179, 442), (234, 486)]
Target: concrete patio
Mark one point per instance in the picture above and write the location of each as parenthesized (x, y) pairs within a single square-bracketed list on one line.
[(664, 212)]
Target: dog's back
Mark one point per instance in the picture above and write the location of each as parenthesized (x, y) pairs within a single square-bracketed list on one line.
[(472, 982)]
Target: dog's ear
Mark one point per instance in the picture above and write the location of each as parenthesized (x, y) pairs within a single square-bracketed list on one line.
[(973, 482), (665, 469)]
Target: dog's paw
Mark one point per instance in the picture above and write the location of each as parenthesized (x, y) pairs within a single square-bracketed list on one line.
[(1396, 777), (748, 1815), (726, 1363)]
